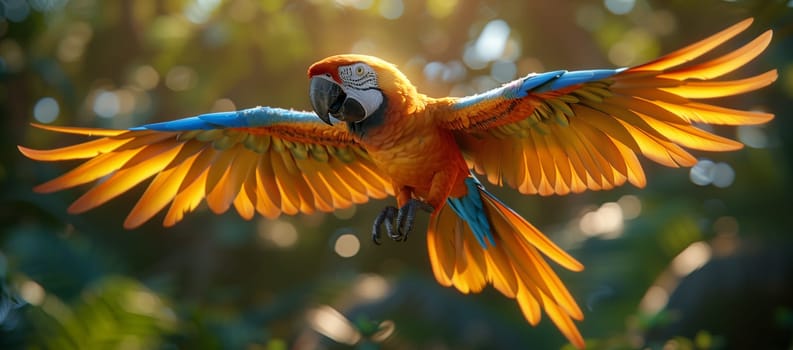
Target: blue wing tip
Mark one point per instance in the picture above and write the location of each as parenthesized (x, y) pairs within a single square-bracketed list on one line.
[(251, 117)]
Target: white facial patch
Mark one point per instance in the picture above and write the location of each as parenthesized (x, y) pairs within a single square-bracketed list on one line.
[(358, 76), (359, 81)]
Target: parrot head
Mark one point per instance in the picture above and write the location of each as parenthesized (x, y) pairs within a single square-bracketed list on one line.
[(353, 88)]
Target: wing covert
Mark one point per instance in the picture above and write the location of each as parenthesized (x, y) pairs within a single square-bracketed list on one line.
[(265, 160)]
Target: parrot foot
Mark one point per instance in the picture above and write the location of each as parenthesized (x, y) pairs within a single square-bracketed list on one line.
[(398, 223)]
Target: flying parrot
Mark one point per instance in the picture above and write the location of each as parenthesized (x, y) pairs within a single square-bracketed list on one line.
[(373, 135)]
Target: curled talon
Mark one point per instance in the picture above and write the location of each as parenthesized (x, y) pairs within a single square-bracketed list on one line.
[(407, 216), (398, 223), (386, 218)]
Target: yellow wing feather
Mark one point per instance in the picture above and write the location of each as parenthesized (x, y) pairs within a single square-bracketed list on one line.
[(273, 171), (586, 136)]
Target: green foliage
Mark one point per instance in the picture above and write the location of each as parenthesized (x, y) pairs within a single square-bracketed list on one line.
[(115, 313)]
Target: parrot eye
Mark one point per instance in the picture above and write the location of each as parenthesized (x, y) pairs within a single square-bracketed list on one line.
[(359, 71)]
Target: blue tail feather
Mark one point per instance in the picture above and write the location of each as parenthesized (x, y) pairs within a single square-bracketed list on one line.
[(471, 209)]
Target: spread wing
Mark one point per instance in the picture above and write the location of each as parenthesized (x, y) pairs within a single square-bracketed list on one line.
[(262, 159), (561, 132)]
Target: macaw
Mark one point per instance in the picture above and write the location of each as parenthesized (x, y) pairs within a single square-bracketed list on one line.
[(372, 135)]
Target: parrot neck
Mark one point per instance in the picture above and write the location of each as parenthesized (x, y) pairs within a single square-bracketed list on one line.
[(362, 127)]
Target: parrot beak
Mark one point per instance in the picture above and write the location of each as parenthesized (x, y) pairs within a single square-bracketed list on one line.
[(326, 97), (329, 99)]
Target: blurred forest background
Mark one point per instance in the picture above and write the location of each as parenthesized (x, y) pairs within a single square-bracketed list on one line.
[(701, 258)]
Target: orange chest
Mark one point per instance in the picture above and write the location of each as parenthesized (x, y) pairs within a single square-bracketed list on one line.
[(412, 153)]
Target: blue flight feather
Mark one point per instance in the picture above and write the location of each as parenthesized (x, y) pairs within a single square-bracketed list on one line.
[(251, 117), (579, 77), (537, 83), (471, 209)]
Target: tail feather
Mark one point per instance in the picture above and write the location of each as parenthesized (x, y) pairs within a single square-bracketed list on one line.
[(513, 263)]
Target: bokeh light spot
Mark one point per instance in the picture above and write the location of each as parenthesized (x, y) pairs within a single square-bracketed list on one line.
[(332, 324), (107, 104), (200, 10), (619, 7), (723, 175), (440, 9), (605, 222), (691, 258), (492, 41), (47, 5), (702, 172), (391, 9), (636, 45), (46, 110), (589, 17), (433, 70), (631, 206), (753, 136), (654, 300), (146, 77), (223, 105), (503, 71), (726, 224), (32, 292), (472, 59), (345, 213), (13, 56), (15, 10), (181, 78), (242, 10), (279, 233), (73, 44), (357, 4), (371, 287), (347, 245), (142, 302)]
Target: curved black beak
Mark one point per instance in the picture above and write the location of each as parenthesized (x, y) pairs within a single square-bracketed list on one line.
[(326, 97)]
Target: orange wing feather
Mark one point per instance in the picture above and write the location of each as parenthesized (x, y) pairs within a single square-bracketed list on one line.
[(281, 169), (586, 136)]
